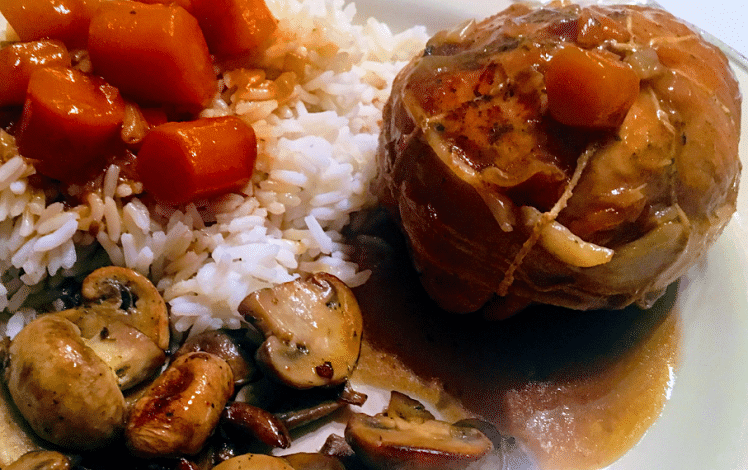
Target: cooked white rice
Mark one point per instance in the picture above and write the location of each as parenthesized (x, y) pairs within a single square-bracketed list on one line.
[(314, 167)]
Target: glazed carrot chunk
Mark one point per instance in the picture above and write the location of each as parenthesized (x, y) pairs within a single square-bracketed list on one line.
[(155, 54), (587, 89), (66, 20), (181, 162), (70, 121), (186, 4), (234, 27), (17, 61)]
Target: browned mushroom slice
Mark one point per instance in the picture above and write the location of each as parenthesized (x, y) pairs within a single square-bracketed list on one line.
[(225, 346), (387, 442), (312, 330), (131, 295), (261, 424), (254, 462), (336, 446), (407, 408), (41, 460), (313, 461), (132, 356)]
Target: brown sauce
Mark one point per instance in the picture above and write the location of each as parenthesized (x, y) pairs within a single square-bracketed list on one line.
[(577, 389)]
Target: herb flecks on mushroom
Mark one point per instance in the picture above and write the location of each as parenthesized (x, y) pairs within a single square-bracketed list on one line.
[(181, 408), (131, 295), (133, 356), (66, 370), (65, 391), (312, 330)]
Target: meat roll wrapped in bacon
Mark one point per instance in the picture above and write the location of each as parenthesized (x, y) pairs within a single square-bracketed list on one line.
[(581, 157)]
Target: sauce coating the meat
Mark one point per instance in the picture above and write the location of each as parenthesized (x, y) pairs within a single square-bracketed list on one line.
[(577, 389), (580, 157)]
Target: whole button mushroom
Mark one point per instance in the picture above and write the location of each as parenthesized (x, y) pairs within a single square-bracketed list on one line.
[(181, 408), (65, 391), (312, 330), (227, 347)]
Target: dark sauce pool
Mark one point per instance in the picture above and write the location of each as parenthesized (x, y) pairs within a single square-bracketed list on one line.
[(576, 389)]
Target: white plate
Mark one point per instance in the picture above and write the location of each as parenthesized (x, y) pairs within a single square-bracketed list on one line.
[(704, 425)]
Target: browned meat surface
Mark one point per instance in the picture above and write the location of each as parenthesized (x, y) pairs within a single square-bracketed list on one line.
[(521, 173)]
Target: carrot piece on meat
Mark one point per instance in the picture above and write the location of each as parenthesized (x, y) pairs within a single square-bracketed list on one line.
[(66, 20), (17, 61), (234, 27), (155, 54), (181, 162), (70, 121), (587, 89)]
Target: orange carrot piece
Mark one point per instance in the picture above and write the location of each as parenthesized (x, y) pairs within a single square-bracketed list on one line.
[(186, 4), (234, 27), (587, 89), (155, 54), (65, 20), (17, 61), (181, 162), (154, 116), (70, 122)]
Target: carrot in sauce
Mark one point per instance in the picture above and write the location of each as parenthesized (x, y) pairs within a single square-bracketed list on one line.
[(17, 61), (69, 122), (66, 20), (181, 162), (587, 89), (155, 54), (234, 27)]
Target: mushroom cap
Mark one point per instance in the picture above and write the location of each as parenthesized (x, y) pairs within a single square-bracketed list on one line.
[(71, 399), (131, 295), (132, 356), (389, 442), (312, 330)]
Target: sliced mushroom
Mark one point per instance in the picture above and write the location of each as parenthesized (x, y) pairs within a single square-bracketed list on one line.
[(41, 460), (133, 356), (336, 446), (313, 461), (297, 418), (225, 346), (261, 424), (407, 408), (254, 462), (312, 330), (390, 442), (67, 393), (131, 295)]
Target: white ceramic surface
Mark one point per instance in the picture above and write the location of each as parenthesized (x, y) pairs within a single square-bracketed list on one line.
[(704, 425)]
